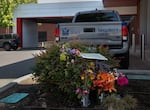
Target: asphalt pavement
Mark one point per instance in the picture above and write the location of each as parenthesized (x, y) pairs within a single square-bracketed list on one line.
[(15, 64)]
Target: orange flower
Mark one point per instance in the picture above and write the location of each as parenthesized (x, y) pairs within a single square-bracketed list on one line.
[(109, 87), (105, 82), (92, 76)]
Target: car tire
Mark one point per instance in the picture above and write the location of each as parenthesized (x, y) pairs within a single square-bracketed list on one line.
[(7, 46), (15, 47)]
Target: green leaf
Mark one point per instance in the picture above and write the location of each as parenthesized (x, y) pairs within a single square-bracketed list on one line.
[(6, 10)]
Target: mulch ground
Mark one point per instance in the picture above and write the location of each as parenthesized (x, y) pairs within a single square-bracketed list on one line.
[(139, 89)]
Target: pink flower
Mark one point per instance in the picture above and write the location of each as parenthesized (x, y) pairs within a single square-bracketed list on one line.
[(85, 92), (121, 81), (77, 52), (78, 91)]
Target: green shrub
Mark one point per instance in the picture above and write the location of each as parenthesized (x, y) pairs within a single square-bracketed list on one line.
[(60, 72), (113, 102)]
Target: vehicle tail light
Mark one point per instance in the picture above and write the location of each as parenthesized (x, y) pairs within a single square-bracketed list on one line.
[(124, 32), (57, 33)]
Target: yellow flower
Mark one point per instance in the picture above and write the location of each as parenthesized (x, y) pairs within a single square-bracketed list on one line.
[(82, 76), (63, 57), (90, 71), (92, 64)]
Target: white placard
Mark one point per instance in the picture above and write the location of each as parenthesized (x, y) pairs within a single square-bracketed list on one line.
[(94, 56)]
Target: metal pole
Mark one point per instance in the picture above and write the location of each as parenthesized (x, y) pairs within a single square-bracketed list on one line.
[(143, 47), (133, 42)]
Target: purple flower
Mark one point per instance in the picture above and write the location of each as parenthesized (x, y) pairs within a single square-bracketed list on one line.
[(73, 51), (121, 81)]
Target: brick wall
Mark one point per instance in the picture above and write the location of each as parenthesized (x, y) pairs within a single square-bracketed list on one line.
[(4, 30), (49, 29), (116, 3)]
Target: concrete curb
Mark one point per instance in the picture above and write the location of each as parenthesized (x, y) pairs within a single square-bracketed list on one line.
[(21, 80), (6, 87)]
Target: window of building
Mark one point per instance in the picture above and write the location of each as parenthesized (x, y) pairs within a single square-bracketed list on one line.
[(42, 36)]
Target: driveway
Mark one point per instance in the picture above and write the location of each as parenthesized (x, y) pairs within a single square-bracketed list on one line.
[(15, 64)]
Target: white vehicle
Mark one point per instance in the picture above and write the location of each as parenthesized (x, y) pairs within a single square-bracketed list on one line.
[(98, 27)]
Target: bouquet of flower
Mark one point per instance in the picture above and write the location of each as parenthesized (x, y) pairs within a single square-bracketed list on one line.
[(94, 74), (65, 69)]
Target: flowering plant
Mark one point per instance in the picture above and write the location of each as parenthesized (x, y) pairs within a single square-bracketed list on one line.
[(105, 81), (94, 74), (61, 68)]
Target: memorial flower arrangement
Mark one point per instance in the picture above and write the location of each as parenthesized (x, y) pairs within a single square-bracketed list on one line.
[(65, 70), (94, 75), (102, 81)]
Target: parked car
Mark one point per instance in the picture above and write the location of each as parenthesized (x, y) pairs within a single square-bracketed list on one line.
[(9, 41), (98, 27)]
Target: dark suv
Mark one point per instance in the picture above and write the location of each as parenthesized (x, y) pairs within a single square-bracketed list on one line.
[(9, 41)]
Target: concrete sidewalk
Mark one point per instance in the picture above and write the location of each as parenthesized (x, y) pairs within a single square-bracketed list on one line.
[(136, 61)]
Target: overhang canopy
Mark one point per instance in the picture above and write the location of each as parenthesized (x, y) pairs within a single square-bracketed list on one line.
[(55, 9)]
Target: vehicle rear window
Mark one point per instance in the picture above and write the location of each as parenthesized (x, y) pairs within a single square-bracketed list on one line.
[(1, 36), (7, 36), (97, 17)]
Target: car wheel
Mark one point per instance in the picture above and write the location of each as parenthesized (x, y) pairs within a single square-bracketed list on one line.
[(15, 47), (7, 46)]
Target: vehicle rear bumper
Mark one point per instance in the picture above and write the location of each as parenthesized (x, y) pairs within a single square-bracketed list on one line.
[(124, 49)]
